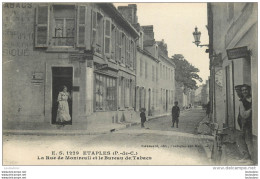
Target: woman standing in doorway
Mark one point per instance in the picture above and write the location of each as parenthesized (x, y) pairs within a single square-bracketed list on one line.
[(63, 114)]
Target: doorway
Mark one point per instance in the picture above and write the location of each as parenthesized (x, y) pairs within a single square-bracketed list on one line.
[(149, 102), (61, 76), (166, 100)]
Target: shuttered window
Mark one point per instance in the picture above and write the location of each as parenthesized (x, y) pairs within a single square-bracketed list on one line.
[(123, 48), (42, 21), (118, 45), (81, 28), (60, 25), (113, 42), (107, 36), (131, 54), (94, 28)]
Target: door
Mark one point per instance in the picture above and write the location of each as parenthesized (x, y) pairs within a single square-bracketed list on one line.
[(61, 76), (149, 102), (166, 100)]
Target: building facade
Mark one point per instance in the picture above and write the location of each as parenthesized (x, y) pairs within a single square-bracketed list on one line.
[(88, 47), (233, 27), (155, 81)]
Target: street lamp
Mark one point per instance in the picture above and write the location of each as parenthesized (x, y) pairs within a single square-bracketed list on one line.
[(196, 35)]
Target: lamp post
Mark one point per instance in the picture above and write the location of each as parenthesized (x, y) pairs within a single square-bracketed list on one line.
[(196, 35)]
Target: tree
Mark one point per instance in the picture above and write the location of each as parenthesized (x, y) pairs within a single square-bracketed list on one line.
[(185, 73)]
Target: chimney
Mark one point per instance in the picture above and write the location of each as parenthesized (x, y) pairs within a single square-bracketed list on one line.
[(148, 30), (129, 13)]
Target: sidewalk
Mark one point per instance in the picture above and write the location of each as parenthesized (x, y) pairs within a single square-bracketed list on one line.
[(75, 129), (230, 154)]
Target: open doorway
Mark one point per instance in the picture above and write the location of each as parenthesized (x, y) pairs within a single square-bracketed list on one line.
[(61, 76)]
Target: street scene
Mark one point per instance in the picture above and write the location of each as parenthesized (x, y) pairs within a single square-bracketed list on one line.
[(130, 83), (166, 145)]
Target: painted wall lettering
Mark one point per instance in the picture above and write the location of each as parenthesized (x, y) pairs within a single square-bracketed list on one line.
[(15, 52), (17, 5)]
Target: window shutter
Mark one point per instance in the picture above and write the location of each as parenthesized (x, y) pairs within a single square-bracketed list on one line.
[(107, 36), (113, 42), (94, 28), (81, 26), (41, 26)]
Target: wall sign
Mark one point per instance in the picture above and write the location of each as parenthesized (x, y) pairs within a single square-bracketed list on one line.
[(235, 53)]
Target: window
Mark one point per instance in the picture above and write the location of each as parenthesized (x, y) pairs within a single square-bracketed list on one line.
[(156, 73), (63, 32), (141, 67), (128, 52), (152, 73), (121, 92), (161, 96), (130, 93), (118, 45), (161, 70), (113, 43), (123, 48), (65, 28), (146, 70), (166, 73), (107, 36), (156, 102), (97, 31), (127, 93), (132, 54), (105, 89)]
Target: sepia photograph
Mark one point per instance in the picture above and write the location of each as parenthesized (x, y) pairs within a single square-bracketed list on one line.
[(130, 84)]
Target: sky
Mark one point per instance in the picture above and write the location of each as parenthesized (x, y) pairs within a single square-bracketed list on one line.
[(175, 22)]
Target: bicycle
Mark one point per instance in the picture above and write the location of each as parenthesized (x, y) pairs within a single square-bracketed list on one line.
[(216, 152)]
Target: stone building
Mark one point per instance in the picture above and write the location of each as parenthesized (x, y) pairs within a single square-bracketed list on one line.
[(233, 52), (155, 82), (88, 47)]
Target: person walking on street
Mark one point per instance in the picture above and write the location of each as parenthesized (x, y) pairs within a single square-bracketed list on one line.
[(175, 114), (143, 117)]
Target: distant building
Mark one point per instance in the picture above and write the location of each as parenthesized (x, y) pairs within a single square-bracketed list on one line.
[(155, 81)]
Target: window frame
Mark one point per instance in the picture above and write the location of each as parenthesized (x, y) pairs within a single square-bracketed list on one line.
[(107, 37)]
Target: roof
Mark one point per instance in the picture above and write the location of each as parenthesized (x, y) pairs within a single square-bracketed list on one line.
[(145, 52), (149, 42), (111, 9)]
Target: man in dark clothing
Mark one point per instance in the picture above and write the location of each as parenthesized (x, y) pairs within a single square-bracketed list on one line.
[(143, 117), (244, 140), (175, 114), (240, 96)]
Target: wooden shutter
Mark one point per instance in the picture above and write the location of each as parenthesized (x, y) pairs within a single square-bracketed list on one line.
[(42, 26), (107, 36), (94, 27), (113, 41), (81, 26)]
